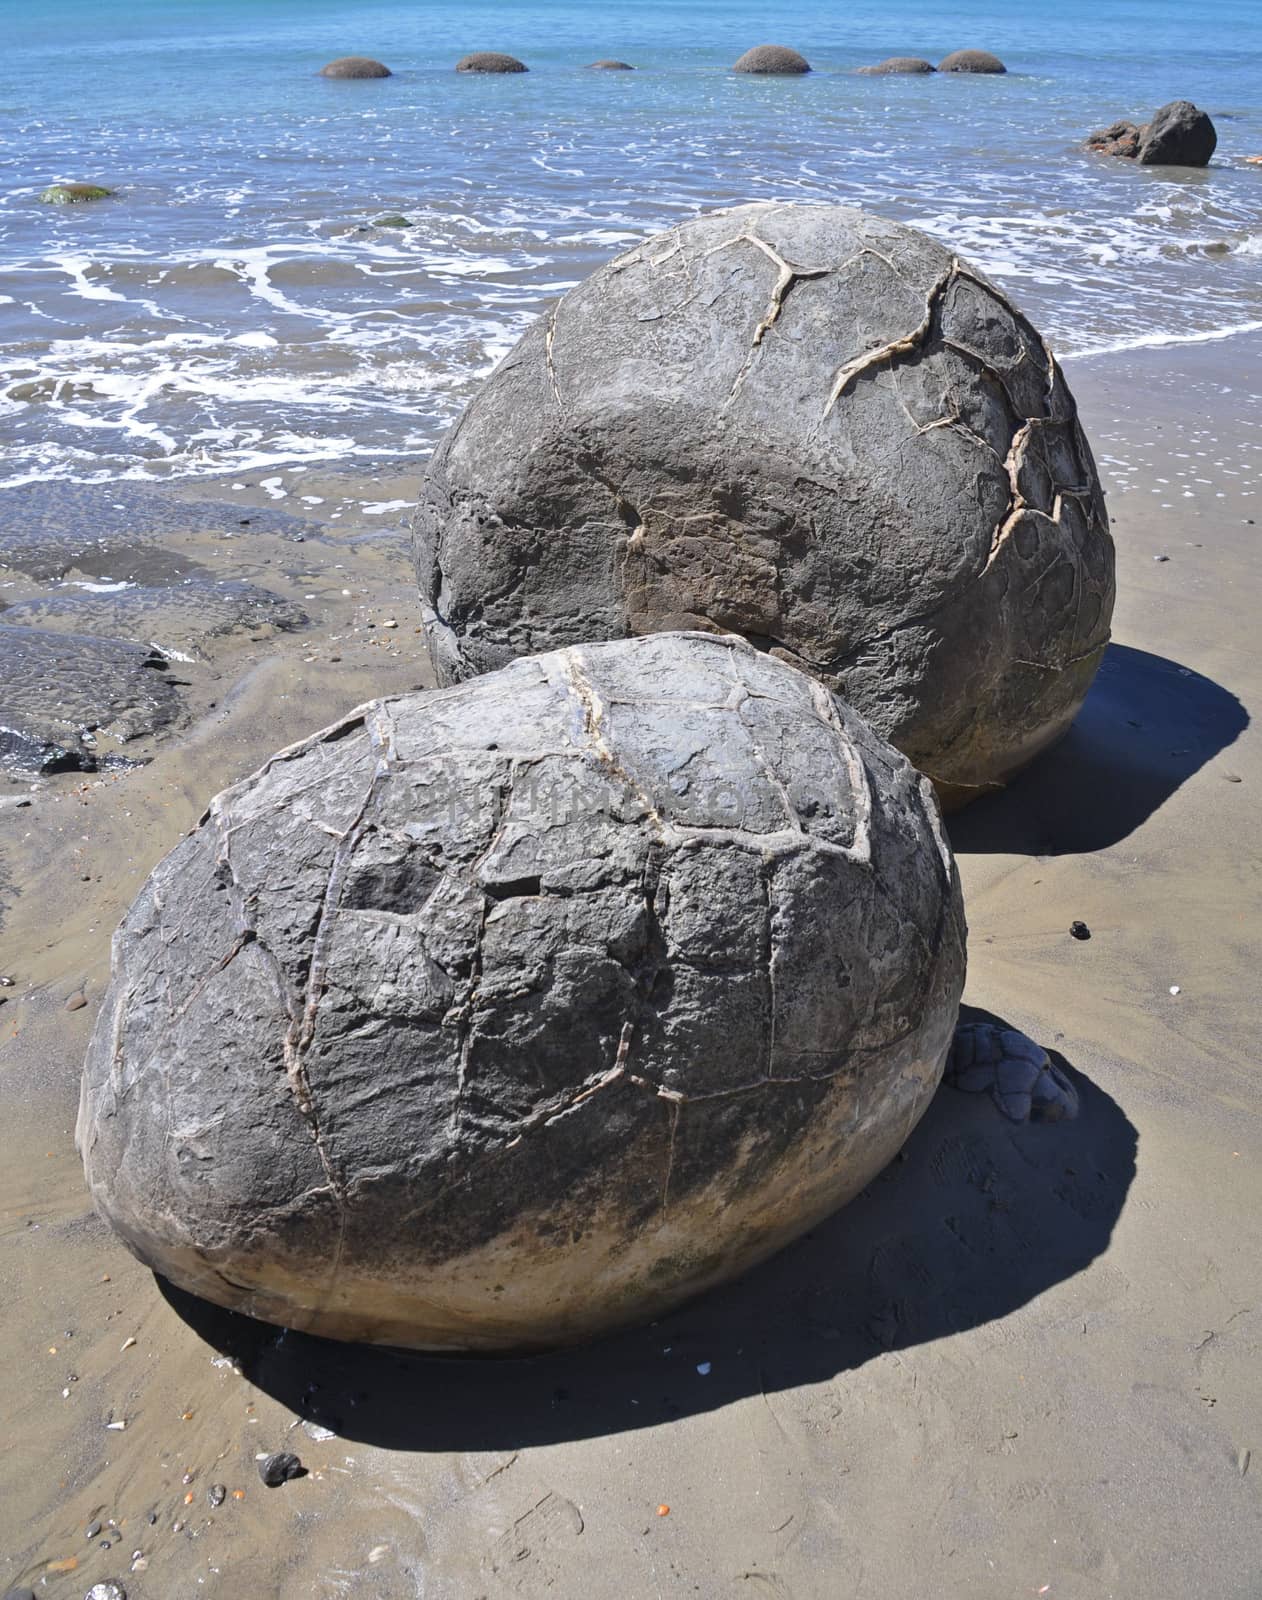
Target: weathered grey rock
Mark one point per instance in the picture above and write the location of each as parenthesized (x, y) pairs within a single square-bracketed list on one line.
[(768, 59), (58, 692), (355, 67), (1178, 136), (497, 1016), (897, 64), (971, 61), (807, 425), (612, 66), (490, 61), (1019, 1075)]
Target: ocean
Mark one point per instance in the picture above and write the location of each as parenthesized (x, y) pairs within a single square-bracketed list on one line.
[(236, 307)]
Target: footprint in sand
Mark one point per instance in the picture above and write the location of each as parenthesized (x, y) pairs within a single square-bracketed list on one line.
[(536, 1551)]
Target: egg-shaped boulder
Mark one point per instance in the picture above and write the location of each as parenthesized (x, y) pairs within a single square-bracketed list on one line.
[(807, 425), (971, 61), (490, 61), (355, 67), (772, 60), (495, 1017)]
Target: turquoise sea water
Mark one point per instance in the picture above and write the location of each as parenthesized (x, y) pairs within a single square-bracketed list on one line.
[(235, 306)]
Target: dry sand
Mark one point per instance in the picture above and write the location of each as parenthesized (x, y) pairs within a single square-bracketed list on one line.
[(1025, 1362)]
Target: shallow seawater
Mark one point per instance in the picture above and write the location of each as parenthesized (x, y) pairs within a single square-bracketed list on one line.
[(235, 307)]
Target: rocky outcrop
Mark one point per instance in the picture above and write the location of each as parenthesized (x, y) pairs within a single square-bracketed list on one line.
[(490, 61), (355, 67), (896, 64), (971, 61), (806, 425), (496, 1017), (772, 59), (67, 702), (1179, 135)]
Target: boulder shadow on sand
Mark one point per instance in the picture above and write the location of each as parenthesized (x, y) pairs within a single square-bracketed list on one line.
[(973, 1220), (1146, 727)]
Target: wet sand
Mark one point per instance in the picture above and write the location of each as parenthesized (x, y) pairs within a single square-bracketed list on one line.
[(1025, 1357)]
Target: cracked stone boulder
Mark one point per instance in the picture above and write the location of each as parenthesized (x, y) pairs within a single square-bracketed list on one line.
[(495, 1017), (803, 424)]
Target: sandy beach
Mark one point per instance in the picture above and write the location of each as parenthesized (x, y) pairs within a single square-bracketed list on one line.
[(1024, 1362)]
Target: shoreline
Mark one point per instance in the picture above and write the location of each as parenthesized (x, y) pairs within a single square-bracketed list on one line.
[(1025, 1356)]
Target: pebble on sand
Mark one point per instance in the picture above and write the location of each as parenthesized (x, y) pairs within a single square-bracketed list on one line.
[(77, 1001), (355, 67), (1080, 930), (280, 1468)]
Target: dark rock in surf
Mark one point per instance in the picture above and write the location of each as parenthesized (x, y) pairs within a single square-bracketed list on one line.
[(806, 425), (971, 61), (1118, 139), (1179, 135), (498, 1016), (611, 66), (355, 67), (897, 64), (490, 61), (772, 59)]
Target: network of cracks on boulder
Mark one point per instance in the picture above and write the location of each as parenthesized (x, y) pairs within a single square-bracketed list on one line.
[(438, 919)]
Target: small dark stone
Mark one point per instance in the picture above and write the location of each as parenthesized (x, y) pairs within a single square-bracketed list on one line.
[(280, 1468), (355, 67), (1080, 930), (490, 61), (394, 220), (19, 1594), (971, 61), (217, 1494), (772, 60)]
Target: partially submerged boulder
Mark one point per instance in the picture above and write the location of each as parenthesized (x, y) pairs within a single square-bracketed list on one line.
[(611, 66), (1179, 135), (355, 67), (807, 425), (772, 59), (897, 64), (490, 61), (73, 194), (495, 1017), (971, 61)]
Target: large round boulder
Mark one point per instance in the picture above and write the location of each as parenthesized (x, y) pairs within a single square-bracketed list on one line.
[(355, 67), (807, 425), (896, 64), (971, 61), (490, 61), (498, 1016), (1179, 135), (771, 59)]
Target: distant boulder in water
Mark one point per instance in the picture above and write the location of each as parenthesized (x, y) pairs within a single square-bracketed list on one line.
[(490, 61), (355, 67), (772, 59), (1179, 135), (73, 194), (897, 64), (971, 61), (610, 66)]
